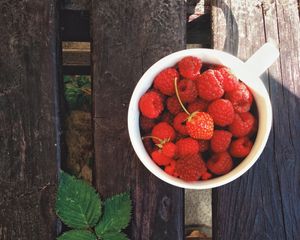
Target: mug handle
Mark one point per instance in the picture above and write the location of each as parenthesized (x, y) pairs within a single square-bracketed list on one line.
[(262, 59)]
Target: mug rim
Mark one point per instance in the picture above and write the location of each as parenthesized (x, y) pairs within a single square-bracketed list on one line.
[(212, 56)]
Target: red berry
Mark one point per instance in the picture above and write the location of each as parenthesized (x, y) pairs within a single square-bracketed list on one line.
[(146, 123), (203, 145), (163, 131), (189, 67), (208, 86), (170, 169), (187, 91), (200, 125), (242, 124), (198, 105), (241, 98), (169, 149), (173, 105), (241, 147), (230, 82), (187, 146), (148, 144), (164, 81), (179, 123), (160, 159), (220, 141), (220, 163), (222, 112), (151, 105), (206, 176), (167, 117), (190, 168)]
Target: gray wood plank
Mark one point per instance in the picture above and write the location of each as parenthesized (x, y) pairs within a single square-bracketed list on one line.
[(264, 203), (127, 38), (28, 117)]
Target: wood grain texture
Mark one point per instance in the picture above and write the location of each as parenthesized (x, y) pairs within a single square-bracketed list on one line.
[(264, 202), (28, 167), (127, 38)]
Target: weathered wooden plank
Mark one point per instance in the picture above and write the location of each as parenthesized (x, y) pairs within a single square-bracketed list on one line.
[(264, 203), (76, 4), (128, 37), (28, 117)]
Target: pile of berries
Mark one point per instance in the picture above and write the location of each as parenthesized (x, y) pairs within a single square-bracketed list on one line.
[(198, 120)]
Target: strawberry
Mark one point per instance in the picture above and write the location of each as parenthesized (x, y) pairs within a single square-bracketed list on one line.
[(189, 67), (164, 81), (187, 146), (200, 125), (220, 163), (160, 159), (163, 131), (241, 147), (190, 168), (220, 141), (222, 112), (242, 124), (151, 105), (208, 86)]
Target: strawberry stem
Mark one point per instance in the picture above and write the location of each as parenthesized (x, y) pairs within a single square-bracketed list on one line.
[(152, 137), (177, 94)]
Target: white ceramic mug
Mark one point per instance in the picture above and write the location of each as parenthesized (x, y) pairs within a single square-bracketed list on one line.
[(247, 72)]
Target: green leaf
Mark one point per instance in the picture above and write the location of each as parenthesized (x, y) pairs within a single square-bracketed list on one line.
[(77, 235), (116, 216), (114, 236), (77, 204)]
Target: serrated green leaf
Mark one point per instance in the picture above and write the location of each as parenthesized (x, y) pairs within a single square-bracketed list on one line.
[(114, 236), (77, 235), (116, 216), (77, 205)]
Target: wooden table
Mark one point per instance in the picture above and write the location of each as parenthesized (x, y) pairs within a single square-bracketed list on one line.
[(126, 38)]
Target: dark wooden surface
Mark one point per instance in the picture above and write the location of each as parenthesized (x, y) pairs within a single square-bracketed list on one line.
[(127, 38), (264, 203), (28, 119)]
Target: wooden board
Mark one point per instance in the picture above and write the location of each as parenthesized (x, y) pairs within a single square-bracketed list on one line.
[(28, 119), (127, 38), (264, 203)]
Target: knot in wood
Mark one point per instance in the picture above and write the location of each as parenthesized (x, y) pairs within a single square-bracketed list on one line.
[(165, 208)]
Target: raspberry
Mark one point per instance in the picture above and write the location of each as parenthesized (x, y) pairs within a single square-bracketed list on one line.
[(241, 98), (220, 163), (208, 86), (167, 117), (146, 123), (189, 67), (173, 105), (230, 82), (179, 123), (222, 112), (190, 168), (187, 91), (187, 146), (151, 105), (163, 131), (253, 130), (160, 159), (169, 149), (242, 124), (200, 125), (170, 169), (220, 141), (206, 176), (203, 145), (241, 147), (164, 81), (198, 105)]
